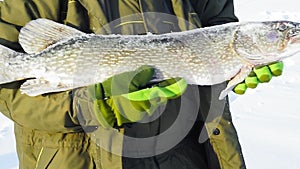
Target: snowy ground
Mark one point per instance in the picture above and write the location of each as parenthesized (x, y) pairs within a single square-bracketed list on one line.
[(267, 118)]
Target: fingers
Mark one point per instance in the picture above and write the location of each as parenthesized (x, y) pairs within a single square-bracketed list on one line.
[(240, 88), (263, 74), (142, 76), (276, 68), (128, 81), (260, 75), (252, 81)]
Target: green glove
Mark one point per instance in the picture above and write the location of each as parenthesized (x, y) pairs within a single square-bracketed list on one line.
[(124, 98), (259, 75)]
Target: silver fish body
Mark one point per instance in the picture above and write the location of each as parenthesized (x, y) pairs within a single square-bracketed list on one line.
[(63, 58)]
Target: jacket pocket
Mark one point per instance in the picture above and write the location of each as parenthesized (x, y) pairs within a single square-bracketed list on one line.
[(45, 156)]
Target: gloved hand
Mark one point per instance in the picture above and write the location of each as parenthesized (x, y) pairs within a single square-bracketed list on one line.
[(259, 75), (124, 97)]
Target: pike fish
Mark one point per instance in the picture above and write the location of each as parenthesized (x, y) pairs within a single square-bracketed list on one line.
[(60, 58)]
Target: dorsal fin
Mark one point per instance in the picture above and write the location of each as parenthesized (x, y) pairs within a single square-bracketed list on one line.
[(38, 34)]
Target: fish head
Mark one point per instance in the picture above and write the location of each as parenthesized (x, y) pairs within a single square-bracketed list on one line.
[(266, 42)]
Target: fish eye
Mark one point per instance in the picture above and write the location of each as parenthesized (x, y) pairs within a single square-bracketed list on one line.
[(282, 26)]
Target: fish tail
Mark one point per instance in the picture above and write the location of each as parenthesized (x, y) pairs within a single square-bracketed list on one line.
[(10, 65)]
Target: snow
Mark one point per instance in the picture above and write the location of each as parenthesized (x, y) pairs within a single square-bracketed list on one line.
[(266, 118), (8, 156)]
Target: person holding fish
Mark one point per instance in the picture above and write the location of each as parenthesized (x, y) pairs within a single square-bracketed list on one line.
[(127, 121)]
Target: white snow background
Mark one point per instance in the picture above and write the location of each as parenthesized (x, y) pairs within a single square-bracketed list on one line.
[(267, 118)]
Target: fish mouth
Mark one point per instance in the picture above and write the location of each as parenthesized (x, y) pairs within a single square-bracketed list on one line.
[(295, 38), (292, 41), (293, 34)]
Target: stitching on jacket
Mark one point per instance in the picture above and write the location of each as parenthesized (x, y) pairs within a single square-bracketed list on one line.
[(39, 157)]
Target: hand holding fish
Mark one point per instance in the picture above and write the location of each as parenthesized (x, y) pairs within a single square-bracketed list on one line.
[(259, 75)]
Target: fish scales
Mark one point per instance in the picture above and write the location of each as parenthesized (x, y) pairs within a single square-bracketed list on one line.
[(204, 56), (115, 55)]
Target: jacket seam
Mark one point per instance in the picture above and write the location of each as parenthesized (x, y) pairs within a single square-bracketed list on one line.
[(217, 149), (39, 157)]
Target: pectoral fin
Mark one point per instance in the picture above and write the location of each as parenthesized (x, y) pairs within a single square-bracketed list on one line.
[(238, 78)]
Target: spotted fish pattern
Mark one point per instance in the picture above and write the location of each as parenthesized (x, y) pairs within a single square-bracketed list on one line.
[(58, 57)]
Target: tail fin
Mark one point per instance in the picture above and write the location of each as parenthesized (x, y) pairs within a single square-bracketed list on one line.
[(10, 65)]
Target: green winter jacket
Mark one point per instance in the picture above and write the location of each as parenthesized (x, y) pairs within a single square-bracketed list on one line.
[(49, 133)]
